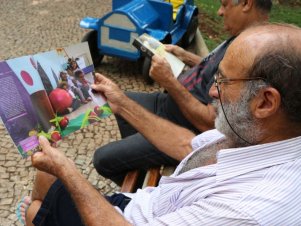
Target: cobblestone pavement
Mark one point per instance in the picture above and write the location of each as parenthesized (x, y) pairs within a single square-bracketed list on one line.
[(32, 26)]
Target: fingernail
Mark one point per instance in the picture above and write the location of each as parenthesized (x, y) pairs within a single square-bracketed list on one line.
[(41, 137)]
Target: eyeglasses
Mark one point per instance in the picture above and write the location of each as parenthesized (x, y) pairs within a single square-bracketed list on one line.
[(218, 81)]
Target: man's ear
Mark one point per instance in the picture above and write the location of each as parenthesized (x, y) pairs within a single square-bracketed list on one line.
[(247, 5), (266, 103)]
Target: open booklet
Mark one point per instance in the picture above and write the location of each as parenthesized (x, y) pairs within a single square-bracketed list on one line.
[(49, 94), (149, 46)]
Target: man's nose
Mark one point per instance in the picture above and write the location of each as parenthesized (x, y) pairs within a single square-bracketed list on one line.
[(220, 11), (213, 92)]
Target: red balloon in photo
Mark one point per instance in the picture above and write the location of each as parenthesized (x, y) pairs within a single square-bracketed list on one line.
[(60, 100)]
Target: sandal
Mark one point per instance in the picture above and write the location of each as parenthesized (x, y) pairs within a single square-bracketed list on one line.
[(22, 208)]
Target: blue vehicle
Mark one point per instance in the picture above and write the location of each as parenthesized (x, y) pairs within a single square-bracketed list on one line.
[(172, 21)]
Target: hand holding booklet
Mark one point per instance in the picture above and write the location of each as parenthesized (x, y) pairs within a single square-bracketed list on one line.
[(149, 46), (49, 94)]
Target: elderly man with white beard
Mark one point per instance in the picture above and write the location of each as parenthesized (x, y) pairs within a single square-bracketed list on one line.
[(247, 172)]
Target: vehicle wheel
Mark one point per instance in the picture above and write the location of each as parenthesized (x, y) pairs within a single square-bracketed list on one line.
[(91, 38), (146, 64), (190, 32)]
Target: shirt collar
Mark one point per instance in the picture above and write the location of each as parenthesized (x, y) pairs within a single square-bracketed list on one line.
[(237, 161)]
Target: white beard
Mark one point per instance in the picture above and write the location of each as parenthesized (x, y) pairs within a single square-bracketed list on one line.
[(240, 117)]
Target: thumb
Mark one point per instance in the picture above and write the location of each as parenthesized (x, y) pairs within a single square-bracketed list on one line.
[(44, 143), (168, 47), (37, 156), (99, 87), (99, 78), (156, 58), (40, 156)]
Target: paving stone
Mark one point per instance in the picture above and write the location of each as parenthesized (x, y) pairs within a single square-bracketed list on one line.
[(11, 216), (5, 221), (4, 213), (11, 169), (4, 175), (2, 169), (64, 145), (87, 135), (6, 201), (9, 163)]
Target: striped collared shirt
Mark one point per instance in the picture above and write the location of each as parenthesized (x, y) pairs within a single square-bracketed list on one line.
[(256, 185)]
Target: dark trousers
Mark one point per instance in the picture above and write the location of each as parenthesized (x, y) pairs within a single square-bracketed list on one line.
[(58, 208), (133, 152)]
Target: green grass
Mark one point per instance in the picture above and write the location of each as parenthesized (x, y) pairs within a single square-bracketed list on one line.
[(212, 24), (286, 14)]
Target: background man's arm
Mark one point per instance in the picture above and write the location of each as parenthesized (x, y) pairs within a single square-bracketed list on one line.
[(200, 115), (171, 139), (187, 57)]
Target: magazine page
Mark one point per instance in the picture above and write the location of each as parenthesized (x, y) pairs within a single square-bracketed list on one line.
[(23, 102), (149, 46), (49, 94), (76, 78)]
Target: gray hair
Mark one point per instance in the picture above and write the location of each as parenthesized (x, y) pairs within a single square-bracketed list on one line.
[(280, 66), (264, 5)]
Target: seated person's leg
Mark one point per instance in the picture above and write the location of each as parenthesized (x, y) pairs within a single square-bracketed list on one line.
[(134, 152), (32, 212), (43, 182), (57, 208), (150, 101), (115, 159), (160, 104), (79, 93), (85, 92), (171, 111), (75, 104)]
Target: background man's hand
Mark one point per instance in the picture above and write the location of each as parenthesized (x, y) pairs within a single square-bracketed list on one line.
[(50, 159), (176, 50), (187, 57), (112, 92), (161, 71)]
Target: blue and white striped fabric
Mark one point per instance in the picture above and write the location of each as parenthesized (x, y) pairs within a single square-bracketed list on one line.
[(258, 185)]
